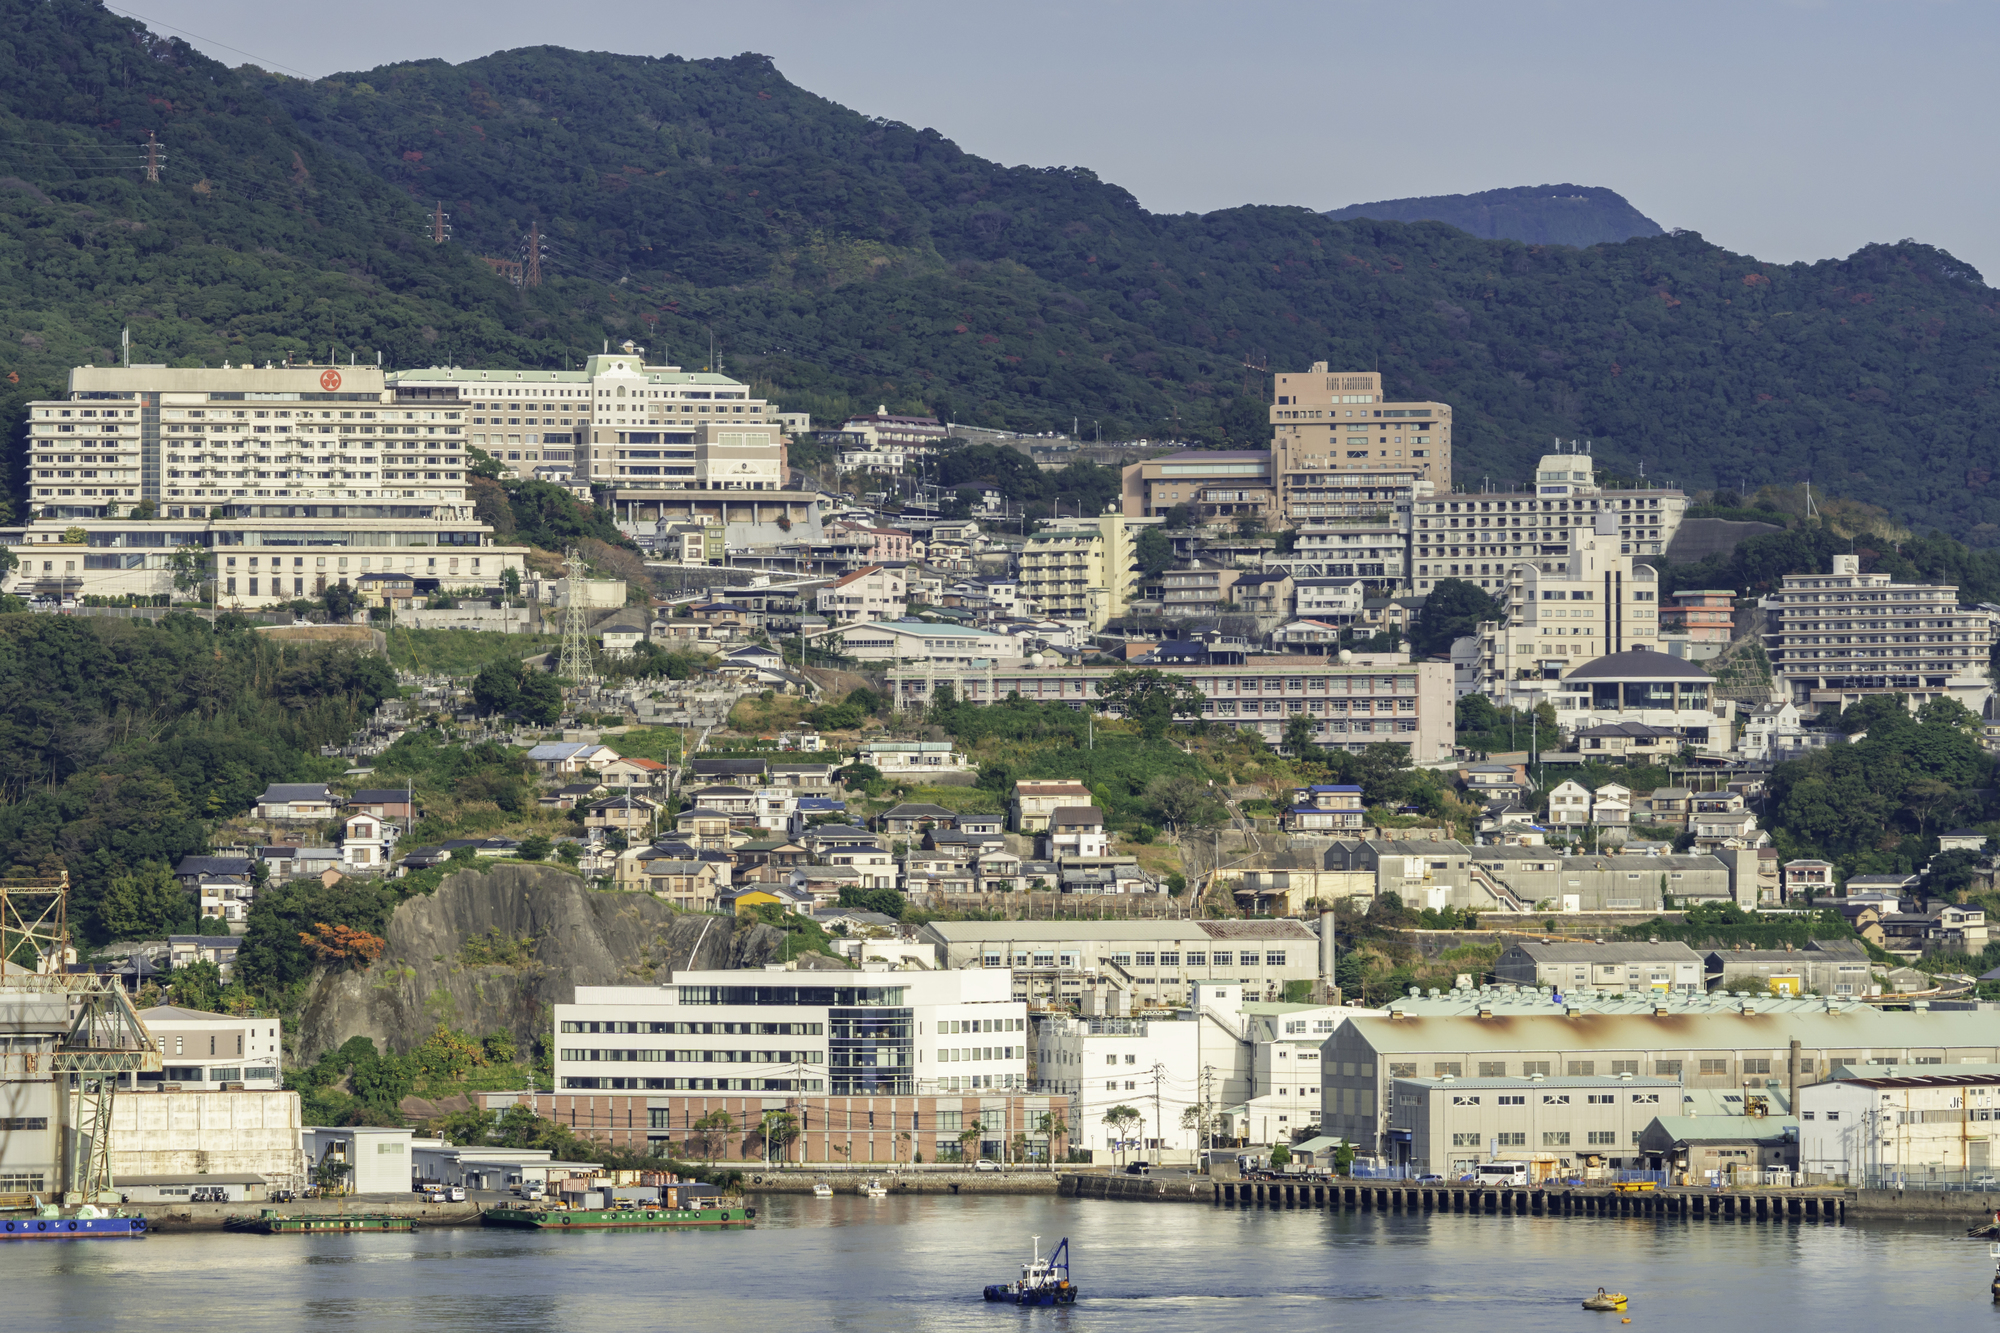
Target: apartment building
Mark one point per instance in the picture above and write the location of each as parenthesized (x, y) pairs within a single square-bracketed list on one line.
[(287, 480), (1083, 569), (1706, 615), (1715, 1043), (1197, 590), (1222, 484), (1370, 550), (1565, 610), (1335, 437), (1482, 538), (1835, 639), (1374, 698)]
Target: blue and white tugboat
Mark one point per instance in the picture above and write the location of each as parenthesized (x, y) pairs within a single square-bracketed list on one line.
[(1042, 1281)]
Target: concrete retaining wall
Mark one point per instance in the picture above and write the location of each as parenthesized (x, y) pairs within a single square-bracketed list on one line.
[(905, 1182)]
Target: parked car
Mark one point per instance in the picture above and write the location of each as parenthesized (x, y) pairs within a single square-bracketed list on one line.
[(983, 1165), (1137, 1168), (1430, 1180), (435, 1196), (457, 1193)]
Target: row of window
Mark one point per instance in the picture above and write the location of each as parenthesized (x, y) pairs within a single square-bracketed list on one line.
[(1554, 1138), (1549, 1099), (593, 1054), (697, 1029), (1587, 1068), (696, 1084)]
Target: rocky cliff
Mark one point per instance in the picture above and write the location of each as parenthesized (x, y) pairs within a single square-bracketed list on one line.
[(492, 950)]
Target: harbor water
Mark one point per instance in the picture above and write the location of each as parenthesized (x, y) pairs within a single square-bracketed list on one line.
[(919, 1263)]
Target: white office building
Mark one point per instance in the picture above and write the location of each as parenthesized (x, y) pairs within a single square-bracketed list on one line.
[(867, 1033)]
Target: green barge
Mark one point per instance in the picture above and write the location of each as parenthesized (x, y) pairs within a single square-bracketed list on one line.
[(274, 1224), (617, 1219)]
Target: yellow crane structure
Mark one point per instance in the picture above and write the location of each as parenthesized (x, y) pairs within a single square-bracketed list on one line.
[(76, 1032)]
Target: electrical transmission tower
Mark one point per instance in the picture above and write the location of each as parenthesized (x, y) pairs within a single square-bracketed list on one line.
[(440, 224), (532, 270), (575, 666), (152, 159)]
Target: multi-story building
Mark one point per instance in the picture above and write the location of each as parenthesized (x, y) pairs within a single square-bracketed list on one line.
[(1706, 615), (1196, 590), (1083, 569), (1565, 610), (285, 480), (1482, 538), (868, 1066), (1715, 1043), (1887, 1126), (1835, 639), (924, 641), (1220, 484), (1668, 694), (1447, 1126), (1373, 698), (1670, 965), (1372, 548), (204, 1051), (1036, 799), (1154, 962), (1339, 447), (877, 592)]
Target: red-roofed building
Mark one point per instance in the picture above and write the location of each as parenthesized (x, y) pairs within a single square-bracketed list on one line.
[(872, 593)]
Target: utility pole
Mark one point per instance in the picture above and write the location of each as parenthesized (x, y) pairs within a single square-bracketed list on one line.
[(1159, 1134)]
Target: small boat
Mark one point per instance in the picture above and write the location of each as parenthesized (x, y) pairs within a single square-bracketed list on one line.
[(1042, 1281), (822, 1190), (721, 1214), (1605, 1300), (874, 1189)]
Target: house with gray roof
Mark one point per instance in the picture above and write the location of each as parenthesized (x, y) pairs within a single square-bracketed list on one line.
[(1612, 966)]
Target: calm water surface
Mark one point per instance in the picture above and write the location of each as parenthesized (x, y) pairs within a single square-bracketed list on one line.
[(918, 1264)]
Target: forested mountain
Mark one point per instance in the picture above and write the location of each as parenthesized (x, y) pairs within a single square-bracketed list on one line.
[(840, 261), (1536, 214)]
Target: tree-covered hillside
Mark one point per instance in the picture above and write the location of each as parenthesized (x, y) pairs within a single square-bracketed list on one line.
[(1536, 214), (843, 261)]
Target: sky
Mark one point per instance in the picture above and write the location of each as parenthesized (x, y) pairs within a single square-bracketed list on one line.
[(1784, 129)]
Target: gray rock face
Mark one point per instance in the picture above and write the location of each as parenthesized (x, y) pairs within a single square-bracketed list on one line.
[(494, 950)]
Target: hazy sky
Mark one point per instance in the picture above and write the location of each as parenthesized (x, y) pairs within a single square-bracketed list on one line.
[(1797, 130)]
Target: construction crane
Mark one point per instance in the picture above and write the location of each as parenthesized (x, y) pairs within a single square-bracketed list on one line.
[(95, 1036)]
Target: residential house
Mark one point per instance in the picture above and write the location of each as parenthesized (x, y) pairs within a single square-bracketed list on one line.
[(186, 950), (1076, 831), (1035, 800), (739, 803), (1196, 590), (691, 886), (823, 839), (816, 778), (1569, 804), (1667, 807), (1267, 596), (566, 797), (1324, 809), (567, 758), (618, 640), (1628, 742), (1805, 878), (391, 803), (634, 771), (708, 829), (366, 842), (191, 870), (870, 593), (998, 871), (226, 898), (912, 818), (743, 772), (630, 815), (1318, 638), (906, 759), (296, 802), (1962, 840), (1735, 829)]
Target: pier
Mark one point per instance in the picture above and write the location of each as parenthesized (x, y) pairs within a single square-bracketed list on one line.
[(1696, 1205)]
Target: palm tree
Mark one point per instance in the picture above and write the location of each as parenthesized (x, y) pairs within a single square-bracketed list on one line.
[(1055, 1127)]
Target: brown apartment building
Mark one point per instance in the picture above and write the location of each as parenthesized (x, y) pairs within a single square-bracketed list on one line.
[(1340, 450)]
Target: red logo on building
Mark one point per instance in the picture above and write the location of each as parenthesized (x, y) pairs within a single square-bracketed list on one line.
[(329, 380)]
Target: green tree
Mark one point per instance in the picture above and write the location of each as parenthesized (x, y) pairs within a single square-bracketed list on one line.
[(1453, 610), (194, 569), (943, 710), (1281, 1156), (1121, 1119), (535, 847), (1185, 803), (1155, 551), (146, 904), (540, 701), (497, 687), (510, 582), (1151, 698)]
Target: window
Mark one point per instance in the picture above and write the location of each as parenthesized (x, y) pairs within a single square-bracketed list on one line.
[(1465, 1141), (1756, 1066), (1464, 1101), (1442, 1068), (1601, 1138), (1667, 1068), (1583, 1067), (1395, 1070), (1715, 1066), (1533, 1067), (1225, 959), (1492, 1069), (1510, 1099), (1833, 1115), (1555, 1138), (1624, 1066), (1601, 1099), (1274, 960), (1110, 1059), (1646, 1098), (1514, 1140), (1555, 1099)]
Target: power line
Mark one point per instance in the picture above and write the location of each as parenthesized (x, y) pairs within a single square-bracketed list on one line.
[(263, 60)]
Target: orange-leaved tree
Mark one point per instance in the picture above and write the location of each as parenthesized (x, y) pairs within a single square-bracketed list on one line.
[(341, 944)]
